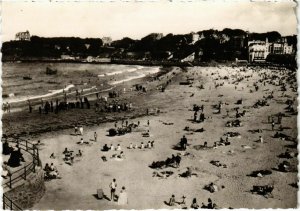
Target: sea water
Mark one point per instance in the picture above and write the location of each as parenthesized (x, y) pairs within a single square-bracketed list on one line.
[(70, 77)]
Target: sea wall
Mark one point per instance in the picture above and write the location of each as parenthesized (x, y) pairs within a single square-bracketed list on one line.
[(30, 192)]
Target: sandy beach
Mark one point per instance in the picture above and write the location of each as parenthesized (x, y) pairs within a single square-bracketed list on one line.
[(223, 86)]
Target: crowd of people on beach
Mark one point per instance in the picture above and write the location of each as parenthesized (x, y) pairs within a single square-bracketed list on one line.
[(235, 119)]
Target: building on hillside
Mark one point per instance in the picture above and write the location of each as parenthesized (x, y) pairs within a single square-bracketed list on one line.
[(154, 36), (223, 38), (193, 37), (259, 50), (67, 57), (106, 41), (97, 59), (24, 36), (281, 47), (87, 46)]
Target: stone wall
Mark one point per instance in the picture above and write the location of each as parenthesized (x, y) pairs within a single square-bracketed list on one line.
[(30, 192)]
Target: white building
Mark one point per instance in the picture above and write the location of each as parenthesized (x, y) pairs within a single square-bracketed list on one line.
[(106, 41), (258, 50), (24, 36)]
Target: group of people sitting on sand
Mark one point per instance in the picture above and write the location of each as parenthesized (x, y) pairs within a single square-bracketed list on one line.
[(114, 106), (212, 187), (51, 172), (174, 162), (78, 130), (106, 148), (121, 155), (69, 157), (149, 145), (222, 142), (194, 205)]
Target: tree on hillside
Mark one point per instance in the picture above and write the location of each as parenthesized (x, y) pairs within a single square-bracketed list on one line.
[(125, 43)]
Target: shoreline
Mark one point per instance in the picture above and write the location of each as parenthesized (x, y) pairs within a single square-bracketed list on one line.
[(91, 117), (154, 63)]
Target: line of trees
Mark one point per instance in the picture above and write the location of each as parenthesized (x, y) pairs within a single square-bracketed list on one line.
[(206, 45)]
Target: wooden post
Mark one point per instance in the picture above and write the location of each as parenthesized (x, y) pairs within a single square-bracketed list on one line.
[(11, 204), (25, 173), (3, 206), (33, 165), (26, 145)]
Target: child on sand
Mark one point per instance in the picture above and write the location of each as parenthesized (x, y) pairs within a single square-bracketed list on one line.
[(172, 201), (112, 147), (118, 147), (123, 199), (194, 204)]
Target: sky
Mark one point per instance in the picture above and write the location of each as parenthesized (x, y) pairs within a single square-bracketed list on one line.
[(138, 19)]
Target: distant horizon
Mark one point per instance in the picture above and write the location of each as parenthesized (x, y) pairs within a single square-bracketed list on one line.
[(138, 19)]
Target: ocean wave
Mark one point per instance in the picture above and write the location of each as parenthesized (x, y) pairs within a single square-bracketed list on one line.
[(148, 71), (128, 79), (130, 70), (52, 93)]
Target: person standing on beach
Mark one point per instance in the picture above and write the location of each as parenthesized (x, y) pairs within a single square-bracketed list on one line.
[(76, 130), (261, 140), (95, 136), (273, 124), (113, 187), (195, 116), (8, 107), (81, 130)]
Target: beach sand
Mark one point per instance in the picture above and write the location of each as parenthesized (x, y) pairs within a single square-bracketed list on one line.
[(79, 183)]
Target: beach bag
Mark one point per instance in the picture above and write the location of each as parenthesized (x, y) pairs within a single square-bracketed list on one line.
[(100, 193)]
